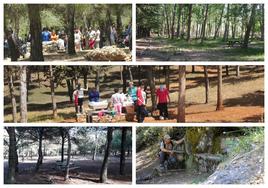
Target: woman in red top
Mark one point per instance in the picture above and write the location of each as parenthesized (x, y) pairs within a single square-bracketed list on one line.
[(162, 97)]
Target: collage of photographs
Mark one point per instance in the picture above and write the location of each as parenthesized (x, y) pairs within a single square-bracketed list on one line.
[(131, 94)]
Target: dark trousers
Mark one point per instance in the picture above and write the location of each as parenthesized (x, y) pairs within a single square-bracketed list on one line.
[(163, 109), (80, 104), (140, 113), (163, 157)]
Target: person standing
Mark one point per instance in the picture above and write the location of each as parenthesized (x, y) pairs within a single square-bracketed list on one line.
[(75, 96), (13, 45), (117, 102), (163, 98), (132, 92), (77, 40), (97, 41), (80, 97), (141, 98), (113, 35)]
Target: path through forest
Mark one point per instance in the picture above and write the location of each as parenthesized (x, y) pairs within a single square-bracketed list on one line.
[(87, 171), (160, 49)]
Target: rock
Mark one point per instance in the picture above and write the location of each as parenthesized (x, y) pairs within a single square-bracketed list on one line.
[(247, 168), (108, 53)]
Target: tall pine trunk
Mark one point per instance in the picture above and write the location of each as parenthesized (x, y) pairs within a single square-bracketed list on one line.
[(249, 26), (13, 99), (204, 24), (182, 90), (11, 155), (40, 152), (123, 151), (68, 156), (23, 94), (151, 79), (104, 167), (189, 22), (35, 30), (206, 84), (219, 90), (70, 16), (52, 89)]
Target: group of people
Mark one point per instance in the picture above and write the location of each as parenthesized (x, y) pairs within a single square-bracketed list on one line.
[(136, 94)]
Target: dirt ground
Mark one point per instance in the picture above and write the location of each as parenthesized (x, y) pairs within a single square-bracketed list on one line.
[(145, 165), (87, 171), (152, 49), (243, 97)]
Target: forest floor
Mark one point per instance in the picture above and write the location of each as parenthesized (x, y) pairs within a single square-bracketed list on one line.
[(243, 97), (87, 171), (146, 163), (163, 49)]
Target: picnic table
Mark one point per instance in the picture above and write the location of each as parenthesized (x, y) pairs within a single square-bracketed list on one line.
[(61, 166)]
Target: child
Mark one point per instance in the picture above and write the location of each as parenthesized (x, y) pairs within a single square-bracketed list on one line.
[(117, 101)]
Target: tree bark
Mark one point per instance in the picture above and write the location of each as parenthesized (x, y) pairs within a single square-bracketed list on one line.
[(23, 94), (68, 155), (226, 30), (167, 20), (262, 22), (166, 68), (13, 99), (182, 90), (179, 18), (173, 21), (206, 83), (123, 151), (11, 155), (151, 79), (249, 26), (189, 22), (238, 71), (52, 89), (70, 16), (96, 146), (62, 132), (40, 152), (124, 78), (103, 173), (204, 24), (219, 91), (219, 24), (35, 30)]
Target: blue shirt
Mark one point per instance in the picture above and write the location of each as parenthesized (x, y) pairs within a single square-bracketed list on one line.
[(45, 36), (132, 92), (93, 96)]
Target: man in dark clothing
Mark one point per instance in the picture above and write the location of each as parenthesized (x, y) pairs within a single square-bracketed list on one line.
[(166, 151), (13, 44)]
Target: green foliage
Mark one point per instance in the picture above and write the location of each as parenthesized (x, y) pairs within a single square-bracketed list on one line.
[(51, 19)]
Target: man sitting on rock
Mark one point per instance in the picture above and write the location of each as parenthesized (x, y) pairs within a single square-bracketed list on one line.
[(166, 155)]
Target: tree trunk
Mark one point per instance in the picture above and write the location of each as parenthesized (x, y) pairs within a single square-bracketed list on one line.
[(68, 155), (262, 22), (70, 89), (62, 143), (97, 79), (249, 26), (23, 94), (173, 21), (219, 91), (151, 80), (179, 18), (238, 71), (219, 24), (166, 68), (204, 24), (103, 173), (124, 78), (96, 146), (40, 153), (123, 151), (189, 22), (11, 155), (35, 30), (206, 83), (227, 70), (13, 99), (167, 20), (52, 89), (226, 30), (182, 89), (70, 17)]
